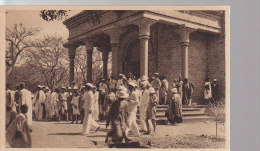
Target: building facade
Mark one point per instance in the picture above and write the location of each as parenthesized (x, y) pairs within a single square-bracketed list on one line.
[(187, 44)]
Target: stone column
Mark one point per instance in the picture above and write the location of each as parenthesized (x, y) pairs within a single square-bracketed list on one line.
[(184, 34), (144, 35), (114, 35), (105, 61), (72, 53), (89, 50)]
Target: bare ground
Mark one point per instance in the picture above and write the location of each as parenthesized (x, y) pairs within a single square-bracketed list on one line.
[(185, 135)]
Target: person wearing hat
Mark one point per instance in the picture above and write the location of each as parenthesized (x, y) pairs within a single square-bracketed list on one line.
[(151, 111), (144, 85), (133, 102), (63, 100), (117, 118), (187, 90), (75, 104), (215, 90), (88, 106), (174, 111), (207, 91)]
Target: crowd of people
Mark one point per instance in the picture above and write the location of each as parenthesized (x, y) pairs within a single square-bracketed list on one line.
[(115, 101)]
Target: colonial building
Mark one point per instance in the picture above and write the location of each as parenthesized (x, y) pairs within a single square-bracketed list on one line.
[(172, 43)]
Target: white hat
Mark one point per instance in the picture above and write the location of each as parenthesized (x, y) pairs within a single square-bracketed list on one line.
[(75, 88), (156, 73), (63, 87), (89, 85), (151, 90), (144, 78), (215, 80), (144, 83), (132, 84), (69, 88), (47, 88), (39, 86), (174, 90), (120, 75), (122, 92)]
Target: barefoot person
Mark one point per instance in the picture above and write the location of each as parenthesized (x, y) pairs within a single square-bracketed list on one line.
[(88, 106), (75, 105)]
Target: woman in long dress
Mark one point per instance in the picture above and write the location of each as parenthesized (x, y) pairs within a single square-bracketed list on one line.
[(174, 112)]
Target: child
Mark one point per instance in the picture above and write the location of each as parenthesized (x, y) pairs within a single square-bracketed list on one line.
[(18, 133), (75, 105)]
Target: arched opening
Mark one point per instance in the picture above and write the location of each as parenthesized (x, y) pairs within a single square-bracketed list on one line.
[(132, 58)]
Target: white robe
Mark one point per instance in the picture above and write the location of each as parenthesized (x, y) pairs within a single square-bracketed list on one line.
[(207, 92), (143, 107), (26, 98), (96, 106)]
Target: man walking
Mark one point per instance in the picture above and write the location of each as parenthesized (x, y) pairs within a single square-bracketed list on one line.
[(133, 102), (88, 106)]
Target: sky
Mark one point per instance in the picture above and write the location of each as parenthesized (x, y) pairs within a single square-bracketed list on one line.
[(31, 18)]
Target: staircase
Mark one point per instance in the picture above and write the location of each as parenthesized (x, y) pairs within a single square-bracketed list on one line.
[(192, 113)]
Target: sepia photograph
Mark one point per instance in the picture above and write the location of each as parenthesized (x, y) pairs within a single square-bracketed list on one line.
[(117, 77)]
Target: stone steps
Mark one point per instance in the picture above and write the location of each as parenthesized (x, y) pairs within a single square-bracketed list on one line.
[(192, 113)]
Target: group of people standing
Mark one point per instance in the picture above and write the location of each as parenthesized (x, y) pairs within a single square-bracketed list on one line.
[(115, 101)]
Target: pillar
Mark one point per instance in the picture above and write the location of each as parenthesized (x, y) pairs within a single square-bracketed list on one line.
[(89, 50), (184, 34), (72, 53), (105, 61), (144, 35), (114, 35)]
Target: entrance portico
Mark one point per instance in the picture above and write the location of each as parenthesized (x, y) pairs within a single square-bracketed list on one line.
[(135, 41)]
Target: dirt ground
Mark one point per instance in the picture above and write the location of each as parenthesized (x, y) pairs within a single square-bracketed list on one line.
[(185, 135)]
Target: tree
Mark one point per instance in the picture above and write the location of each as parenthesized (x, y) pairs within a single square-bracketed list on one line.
[(50, 59), (97, 64), (18, 40)]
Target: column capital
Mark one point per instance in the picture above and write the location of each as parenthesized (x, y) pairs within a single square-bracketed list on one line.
[(184, 33), (114, 34), (72, 53), (144, 25)]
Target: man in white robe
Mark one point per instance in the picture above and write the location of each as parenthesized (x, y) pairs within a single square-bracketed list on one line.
[(26, 98), (88, 106), (132, 104), (145, 85)]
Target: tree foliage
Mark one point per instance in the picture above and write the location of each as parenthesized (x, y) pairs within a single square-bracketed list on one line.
[(51, 15), (49, 58), (18, 39)]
